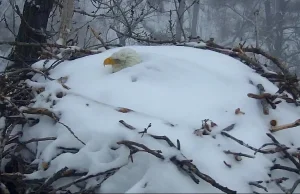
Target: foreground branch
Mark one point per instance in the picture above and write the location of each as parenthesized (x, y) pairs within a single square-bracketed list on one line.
[(286, 126)]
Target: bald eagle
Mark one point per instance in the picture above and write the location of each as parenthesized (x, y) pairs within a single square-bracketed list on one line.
[(123, 58)]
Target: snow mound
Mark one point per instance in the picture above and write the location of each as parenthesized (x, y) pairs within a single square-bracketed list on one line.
[(174, 89)]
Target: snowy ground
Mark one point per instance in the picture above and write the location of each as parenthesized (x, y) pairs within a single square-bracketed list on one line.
[(176, 85)]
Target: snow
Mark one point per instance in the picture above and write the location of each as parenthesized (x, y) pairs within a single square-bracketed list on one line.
[(173, 84)]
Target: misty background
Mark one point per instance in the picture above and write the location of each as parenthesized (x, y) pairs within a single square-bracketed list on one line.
[(273, 25)]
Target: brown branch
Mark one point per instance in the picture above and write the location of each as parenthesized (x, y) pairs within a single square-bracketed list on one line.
[(70, 130), (171, 144), (185, 165), (271, 97), (144, 40), (99, 38), (238, 154), (5, 133), (291, 158), (278, 148), (286, 168), (127, 125), (12, 176), (286, 126), (259, 96), (48, 45), (44, 111), (276, 61), (23, 70), (258, 185), (263, 102), (277, 180), (228, 165), (113, 170), (39, 139), (64, 172), (41, 111), (229, 128), (242, 143), (295, 185), (145, 148)]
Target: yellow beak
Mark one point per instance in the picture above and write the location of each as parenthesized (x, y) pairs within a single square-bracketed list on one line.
[(109, 61)]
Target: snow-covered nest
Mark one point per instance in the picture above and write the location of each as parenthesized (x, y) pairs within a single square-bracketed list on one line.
[(175, 89)]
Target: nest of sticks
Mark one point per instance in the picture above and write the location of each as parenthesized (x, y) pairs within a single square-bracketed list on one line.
[(17, 98)]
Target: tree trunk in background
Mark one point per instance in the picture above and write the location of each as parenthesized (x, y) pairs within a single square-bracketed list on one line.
[(66, 21), (179, 23), (268, 27), (196, 10), (32, 30), (279, 18)]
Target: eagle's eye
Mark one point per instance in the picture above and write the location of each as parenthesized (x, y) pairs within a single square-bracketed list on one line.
[(118, 61)]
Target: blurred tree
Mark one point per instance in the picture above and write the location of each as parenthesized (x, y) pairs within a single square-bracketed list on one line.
[(34, 20)]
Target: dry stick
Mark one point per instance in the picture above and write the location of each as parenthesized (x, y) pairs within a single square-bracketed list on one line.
[(291, 190), (278, 148), (99, 38), (171, 144), (144, 40), (41, 111), (242, 143), (208, 179), (70, 130), (153, 152), (29, 70), (85, 51), (286, 168), (270, 96), (4, 138), (44, 111), (53, 65), (32, 44), (257, 184), (260, 52), (185, 165), (277, 180), (127, 125), (113, 170), (231, 53), (228, 128), (39, 139), (73, 150), (279, 64), (13, 104), (3, 188), (191, 168), (286, 126), (14, 138), (91, 189), (12, 176), (178, 145), (238, 154), (228, 165), (263, 102), (282, 188), (52, 179), (291, 158)]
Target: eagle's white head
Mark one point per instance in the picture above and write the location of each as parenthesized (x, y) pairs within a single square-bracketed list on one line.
[(126, 57)]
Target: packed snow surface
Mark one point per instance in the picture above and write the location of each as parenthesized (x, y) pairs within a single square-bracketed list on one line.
[(174, 89)]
